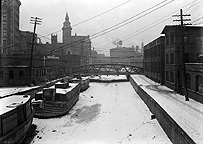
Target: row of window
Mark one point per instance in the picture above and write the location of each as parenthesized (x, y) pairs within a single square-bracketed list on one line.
[(173, 37), (152, 52), (39, 72), (10, 74), (170, 77)]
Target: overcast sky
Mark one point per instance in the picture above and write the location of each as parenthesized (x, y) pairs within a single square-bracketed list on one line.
[(131, 32)]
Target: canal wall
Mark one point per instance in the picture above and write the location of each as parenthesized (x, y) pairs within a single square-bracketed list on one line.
[(174, 132)]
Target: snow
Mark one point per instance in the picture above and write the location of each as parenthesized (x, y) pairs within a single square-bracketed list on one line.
[(5, 91), (10, 103), (187, 114), (106, 113)]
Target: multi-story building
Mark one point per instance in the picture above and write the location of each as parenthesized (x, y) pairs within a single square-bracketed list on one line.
[(126, 55), (49, 60), (193, 47), (154, 60), (9, 38), (163, 57)]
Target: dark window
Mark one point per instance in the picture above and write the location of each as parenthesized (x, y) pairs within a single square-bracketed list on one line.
[(11, 74), (186, 57), (188, 78), (167, 75), (199, 83), (167, 58), (172, 76), (167, 39), (1, 74), (172, 58), (185, 38), (36, 73), (21, 73), (172, 38), (4, 42)]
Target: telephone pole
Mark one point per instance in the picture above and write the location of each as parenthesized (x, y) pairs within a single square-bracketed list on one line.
[(35, 21), (183, 51)]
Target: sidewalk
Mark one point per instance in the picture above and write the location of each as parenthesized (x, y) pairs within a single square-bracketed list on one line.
[(187, 114)]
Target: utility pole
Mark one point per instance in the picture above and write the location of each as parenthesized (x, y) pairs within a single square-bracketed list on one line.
[(183, 51), (35, 21)]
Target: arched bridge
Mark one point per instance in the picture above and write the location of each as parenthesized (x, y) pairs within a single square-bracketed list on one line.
[(107, 69)]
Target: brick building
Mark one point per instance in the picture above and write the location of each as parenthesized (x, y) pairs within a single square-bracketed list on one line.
[(193, 45)]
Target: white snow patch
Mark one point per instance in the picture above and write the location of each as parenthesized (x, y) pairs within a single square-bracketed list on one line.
[(106, 113), (187, 114)]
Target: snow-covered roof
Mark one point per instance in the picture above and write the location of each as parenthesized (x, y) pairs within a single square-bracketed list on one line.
[(9, 103)]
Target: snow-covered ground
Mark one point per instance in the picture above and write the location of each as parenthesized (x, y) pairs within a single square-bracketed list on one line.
[(106, 113), (187, 114), (12, 90)]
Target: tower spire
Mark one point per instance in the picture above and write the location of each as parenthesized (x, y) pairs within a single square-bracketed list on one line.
[(66, 18), (66, 30)]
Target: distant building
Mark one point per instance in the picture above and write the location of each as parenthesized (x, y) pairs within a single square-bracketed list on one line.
[(9, 31), (25, 38), (142, 47), (126, 55)]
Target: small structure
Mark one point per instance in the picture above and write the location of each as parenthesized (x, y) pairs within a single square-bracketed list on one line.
[(56, 100)]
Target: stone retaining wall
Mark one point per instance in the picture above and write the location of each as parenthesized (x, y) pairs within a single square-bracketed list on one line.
[(175, 133)]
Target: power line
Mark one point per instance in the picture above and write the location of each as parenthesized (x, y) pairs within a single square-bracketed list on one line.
[(151, 26), (92, 17), (131, 19), (110, 29), (193, 4), (45, 36)]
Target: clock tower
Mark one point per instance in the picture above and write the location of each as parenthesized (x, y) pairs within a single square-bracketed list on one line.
[(66, 30)]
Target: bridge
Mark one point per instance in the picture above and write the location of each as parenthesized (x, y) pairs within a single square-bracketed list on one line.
[(107, 69)]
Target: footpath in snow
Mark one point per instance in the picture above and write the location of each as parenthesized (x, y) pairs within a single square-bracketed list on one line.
[(106, 113), (187, 114)]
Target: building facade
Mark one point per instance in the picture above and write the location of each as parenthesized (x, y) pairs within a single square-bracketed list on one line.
[(154, 60), (50, 60), (9, 38), (193, 54), (163, 59)]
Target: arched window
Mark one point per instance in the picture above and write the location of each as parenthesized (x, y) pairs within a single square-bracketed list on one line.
[(199, 83), (188, 80)]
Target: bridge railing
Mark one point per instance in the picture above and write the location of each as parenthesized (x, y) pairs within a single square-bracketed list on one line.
[(107, 69)]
